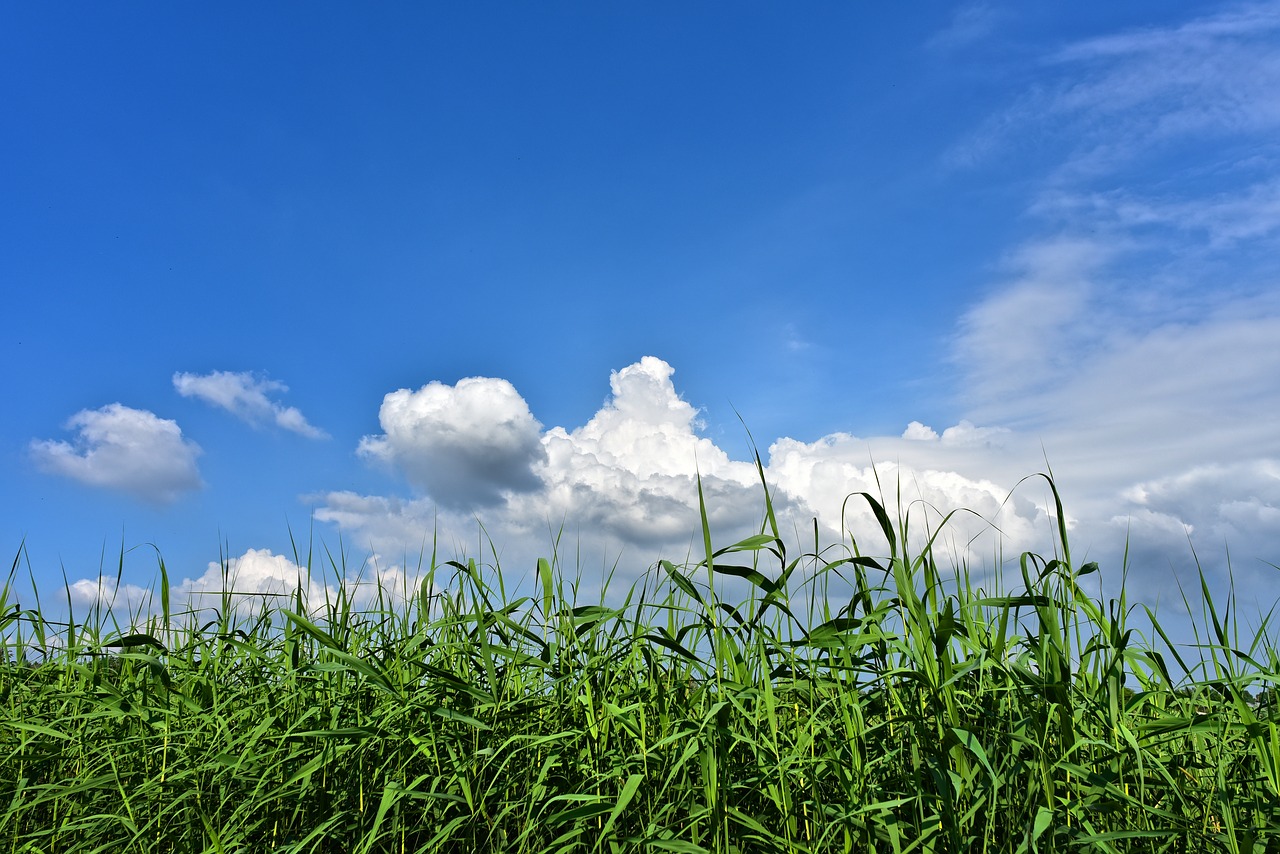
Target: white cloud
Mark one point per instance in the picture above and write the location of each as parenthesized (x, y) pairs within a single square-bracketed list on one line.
[(104, 591), (971, 22), (629, 475), (632, 469), (1223, 220), (246, 396), (1219, 510), (927, 478), (467, 445), (385, 519), (917, 432), (622, 488), (794, 341), (257, 572), (1025, 334), (1122, 96), (1155, 397), (129, 450), (626, 482), (1134, 341), (255, 577), (1124, 387), (1243, 21), (1219, 503), (967, 434)]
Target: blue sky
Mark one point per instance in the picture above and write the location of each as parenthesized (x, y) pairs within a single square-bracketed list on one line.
[(387, 271)]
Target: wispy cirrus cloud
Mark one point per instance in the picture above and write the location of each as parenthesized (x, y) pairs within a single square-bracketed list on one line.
[(1215, 221), (248, 397), (1116, 99), (971, 22), (1130, 334), (1149, 289)]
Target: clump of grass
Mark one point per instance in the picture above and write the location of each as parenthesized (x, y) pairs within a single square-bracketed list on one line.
[(923, 713)]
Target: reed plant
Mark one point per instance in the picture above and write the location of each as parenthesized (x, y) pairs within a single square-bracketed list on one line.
[(757, 699)]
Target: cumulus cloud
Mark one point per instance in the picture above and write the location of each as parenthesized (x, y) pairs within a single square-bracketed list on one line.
[(1219, 503), (255, 577), (1154, 395), (467, 445), (124, 449), (966, 433), (247, 397), (629, 474), (632, 469), (1219, 520), (257, 572), (917, 432), (621, 491), (927, 478), (626, 482)]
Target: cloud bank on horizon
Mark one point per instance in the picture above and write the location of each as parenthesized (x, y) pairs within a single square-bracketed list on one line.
[(626, 483), (1127, 338)]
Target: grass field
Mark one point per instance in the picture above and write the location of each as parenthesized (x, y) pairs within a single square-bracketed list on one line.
[(734, 703)]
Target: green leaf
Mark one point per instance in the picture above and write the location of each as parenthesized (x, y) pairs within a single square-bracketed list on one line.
[(130, 641), (628, 792)]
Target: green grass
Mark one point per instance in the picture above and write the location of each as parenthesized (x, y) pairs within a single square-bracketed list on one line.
[(846, 702)]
